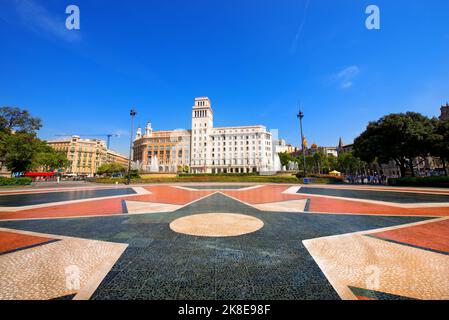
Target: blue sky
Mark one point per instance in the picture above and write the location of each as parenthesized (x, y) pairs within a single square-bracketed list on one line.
[(255, 60)]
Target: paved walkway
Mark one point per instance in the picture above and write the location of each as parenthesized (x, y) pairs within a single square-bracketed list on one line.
[(235, 241)]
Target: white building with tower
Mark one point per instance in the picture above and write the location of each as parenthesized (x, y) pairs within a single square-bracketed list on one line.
[(239, 149)]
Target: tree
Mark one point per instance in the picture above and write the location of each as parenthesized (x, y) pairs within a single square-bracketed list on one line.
[(49, 160), (441, 142), (332, 162), (110, 169), (23, 152), (18, 141), (20, 149), (183, 168), (350, 164), (285, 158), (396, 137), (310, 164), (320, 162), (13, 119)]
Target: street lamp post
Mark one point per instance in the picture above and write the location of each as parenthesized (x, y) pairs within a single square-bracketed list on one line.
[(300, 116), (132, 113)]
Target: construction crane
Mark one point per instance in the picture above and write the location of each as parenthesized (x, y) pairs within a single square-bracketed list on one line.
[(108, 135)]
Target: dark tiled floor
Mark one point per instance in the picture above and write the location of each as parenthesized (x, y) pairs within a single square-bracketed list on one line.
[(395, 197), (20, 200), (271, 263), (376, 295)]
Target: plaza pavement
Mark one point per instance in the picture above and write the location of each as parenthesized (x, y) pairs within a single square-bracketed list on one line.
[(224, 241)]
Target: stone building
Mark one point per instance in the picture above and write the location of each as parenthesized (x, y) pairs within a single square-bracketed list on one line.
[(114, 157), (205, 148), (86, 155), (281, 146), (344, 148), (241, 149), (161, 151), (445, 112)]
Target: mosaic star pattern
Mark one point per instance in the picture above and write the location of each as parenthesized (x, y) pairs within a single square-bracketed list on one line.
[(312, 242)]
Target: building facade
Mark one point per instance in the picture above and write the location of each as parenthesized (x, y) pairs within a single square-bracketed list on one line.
[(344, 148), (85, 155), (445, 112), (205, 148), (242, 149), (328, 151), (114, 157), (4, 172), (162, 151), (280, 146)]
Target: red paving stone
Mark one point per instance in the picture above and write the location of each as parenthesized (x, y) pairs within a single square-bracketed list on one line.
[(374, 188), (364, 298), (433, 235), (13, 241), (329, 205), (171, 195), (265, 194), (178, 196), (87, 208), (9, 192), (160, 194)]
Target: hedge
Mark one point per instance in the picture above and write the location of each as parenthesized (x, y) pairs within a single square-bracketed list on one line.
[(320, 178), (439, 182), (251, 174), (205, 179), (15, 181)]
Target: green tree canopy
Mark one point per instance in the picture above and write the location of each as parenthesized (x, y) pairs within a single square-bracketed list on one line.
[(350, 164), (13, 119), (48, 159), (20, 149), (441, 142), (332, 162), (110, 169), (396, 137), (321, 164), (285, 158)]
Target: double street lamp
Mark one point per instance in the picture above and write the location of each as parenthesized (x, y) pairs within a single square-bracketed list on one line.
[(132, 113)]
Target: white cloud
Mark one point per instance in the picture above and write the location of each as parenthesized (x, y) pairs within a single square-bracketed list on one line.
[(346, 85), (351, 71), (346, 76), (300, 28)]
